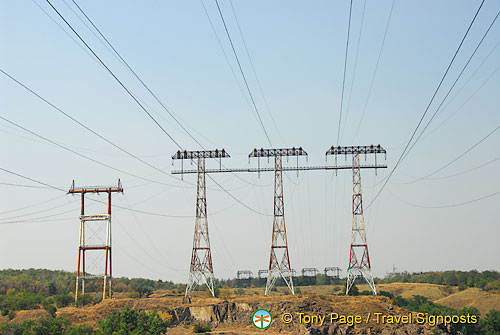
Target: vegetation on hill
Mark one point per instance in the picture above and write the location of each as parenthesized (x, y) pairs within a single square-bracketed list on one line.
[(125, 321), (50, 283), (487, 280)]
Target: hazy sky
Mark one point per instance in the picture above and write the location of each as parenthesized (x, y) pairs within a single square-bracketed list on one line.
[(298, 50)]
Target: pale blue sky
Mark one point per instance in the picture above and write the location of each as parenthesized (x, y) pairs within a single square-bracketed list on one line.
[(298, 51)]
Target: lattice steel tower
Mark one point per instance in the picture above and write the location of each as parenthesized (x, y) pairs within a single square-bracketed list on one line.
[(279, 262), (95, 243), (359, 258), (201, 268)]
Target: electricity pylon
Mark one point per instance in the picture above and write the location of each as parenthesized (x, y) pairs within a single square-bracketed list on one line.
[(201, 268), (359, 258), (82, 242), (279, 262)]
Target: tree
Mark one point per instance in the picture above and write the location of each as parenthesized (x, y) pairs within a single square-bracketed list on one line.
[(63, 300), (48, 305), (491, 322), (130, 321), (80, 330)]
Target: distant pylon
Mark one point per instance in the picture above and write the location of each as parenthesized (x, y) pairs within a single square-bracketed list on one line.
[(201, 268), (83, 246), (359, 259)]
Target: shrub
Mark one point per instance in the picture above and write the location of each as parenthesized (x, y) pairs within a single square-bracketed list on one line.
[(133, 295), (80, 330), (491, 322), (131, 321), (63, 300), (48, 305), (199, 328), (86, 299), (386, 294), (12, 314)]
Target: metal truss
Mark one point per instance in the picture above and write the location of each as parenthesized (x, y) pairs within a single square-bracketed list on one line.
[(309, 272), (83, 247), (359, 259), (286, 168), (200, 154), (245, 274), (360, 149), (201, 267), (332, 271), (279, 262), (278, 152)]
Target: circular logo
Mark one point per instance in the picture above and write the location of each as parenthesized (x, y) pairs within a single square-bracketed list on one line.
[(262, 318)]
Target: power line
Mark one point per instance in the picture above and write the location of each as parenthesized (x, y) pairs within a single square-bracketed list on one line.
[(37, 212), (224, 53), (427, 108), (86, 127), (33, 180), (254, 71), (142, 107), (462, 87), (460, 173), (375, 71), (113, 75), (79, 154), (33, 205), (21, 185), (135, 74), (454, 83), (345, 69), (243, 74), (456, 158), (355, 66), (447, 206)]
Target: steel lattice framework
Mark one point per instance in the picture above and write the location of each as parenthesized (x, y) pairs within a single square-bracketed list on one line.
[(201, 267), (359, 258), (332, 271), (83, 246), (279, 261)]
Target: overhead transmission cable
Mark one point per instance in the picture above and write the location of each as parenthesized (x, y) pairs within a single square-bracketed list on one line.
[(88, 129), (80, 154), (457, 93), (345, 70), (254, 71), (448, 206), (453, 85), (375, 71), (427, 108), (243, 74), (355, 67), (455, 159), (125, 63), (113, 75)]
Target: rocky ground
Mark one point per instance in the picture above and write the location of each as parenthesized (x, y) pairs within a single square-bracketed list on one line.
[(233, 315)]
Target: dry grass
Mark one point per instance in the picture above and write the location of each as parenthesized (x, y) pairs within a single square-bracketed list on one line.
[(472, 297)]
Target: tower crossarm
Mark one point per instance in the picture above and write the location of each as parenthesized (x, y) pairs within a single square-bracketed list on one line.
[(277, 152), (95, 189), (360, 149), (200, 154)]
